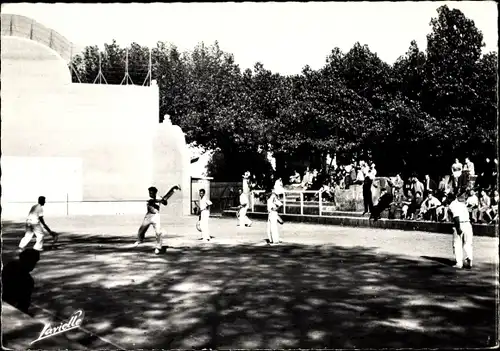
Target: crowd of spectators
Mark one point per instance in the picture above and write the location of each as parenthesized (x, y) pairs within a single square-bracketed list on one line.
[(416, 199)]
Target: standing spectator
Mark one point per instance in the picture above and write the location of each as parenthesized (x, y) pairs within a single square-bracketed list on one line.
[(408, 186), (469, 167), (473, 206), (444, 187), (494, 207), (371, 172), (397, 187), (417, 186), (484, 207), (429, 185), (307, 179), (456, 168), (486, 175), (459, 184), (295, 178), (360, 177), (494, 174), (428, 209)]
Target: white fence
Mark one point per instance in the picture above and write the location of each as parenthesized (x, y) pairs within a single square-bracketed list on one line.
[(300, 193)]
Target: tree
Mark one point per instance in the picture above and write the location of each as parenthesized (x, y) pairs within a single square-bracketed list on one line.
[(449, 91)]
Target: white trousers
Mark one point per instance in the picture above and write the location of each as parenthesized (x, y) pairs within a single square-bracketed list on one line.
[(462, 243), (272, 227), (33, 229), (205, 233), (153, 221), (244, 220)]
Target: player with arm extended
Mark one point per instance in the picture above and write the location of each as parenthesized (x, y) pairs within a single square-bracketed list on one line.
[(152, 217)]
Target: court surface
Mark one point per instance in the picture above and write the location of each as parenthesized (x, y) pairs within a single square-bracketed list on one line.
[(324, 286)]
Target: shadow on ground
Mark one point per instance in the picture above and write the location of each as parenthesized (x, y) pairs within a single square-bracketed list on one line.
[(288, 296)]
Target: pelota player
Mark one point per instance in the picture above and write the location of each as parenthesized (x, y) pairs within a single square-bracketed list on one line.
[(462, 232), (152, 217)]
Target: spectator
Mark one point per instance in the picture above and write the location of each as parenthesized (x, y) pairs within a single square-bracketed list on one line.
[(295, 178), (415, 205), (486, 175), (428, 209), (397, 187), (367, 188), (408, 185), (494, 174), (406, 201), (456, 168), (307, 179), (473, 206), (484, 207), (417, 186), (469, 167), (384, 202), (444, 187), (459, 185), (429, 185), (17, 283), (442, 210), (494, 207), (360, 177)]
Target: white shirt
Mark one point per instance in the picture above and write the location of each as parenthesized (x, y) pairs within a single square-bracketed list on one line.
[(433, 202), (372, 173), (273, 203), (243, 199), (204, 203), (469, 166), (35, 213), (472, 201), (459, 209)]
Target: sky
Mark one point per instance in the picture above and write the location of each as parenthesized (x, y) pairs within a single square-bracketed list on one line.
[(283, 36)]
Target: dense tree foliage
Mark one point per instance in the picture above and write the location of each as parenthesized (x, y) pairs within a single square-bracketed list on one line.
[(416, 115)]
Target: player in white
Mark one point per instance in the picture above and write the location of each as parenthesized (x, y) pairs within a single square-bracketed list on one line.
[(152, 218), (462, 232), (204, 215), (273, 203), (243, 208), (34, 226)]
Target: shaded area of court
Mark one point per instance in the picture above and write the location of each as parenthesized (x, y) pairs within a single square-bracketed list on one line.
[(245, 295)]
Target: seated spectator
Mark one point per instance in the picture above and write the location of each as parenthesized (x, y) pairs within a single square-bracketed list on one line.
[(406, 201), (384, 202), (360, 177), (415, 205), (295, 178), (442, 210), (307, 179), (484, 207), (428, 209), (472, 203), (17, 283)]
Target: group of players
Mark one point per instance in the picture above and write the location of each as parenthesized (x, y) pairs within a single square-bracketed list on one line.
[(35, 223)]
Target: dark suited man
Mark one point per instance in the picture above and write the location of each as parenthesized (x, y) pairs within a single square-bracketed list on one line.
[(384, 202), (459, 185), (429, 184), (17, 283)]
